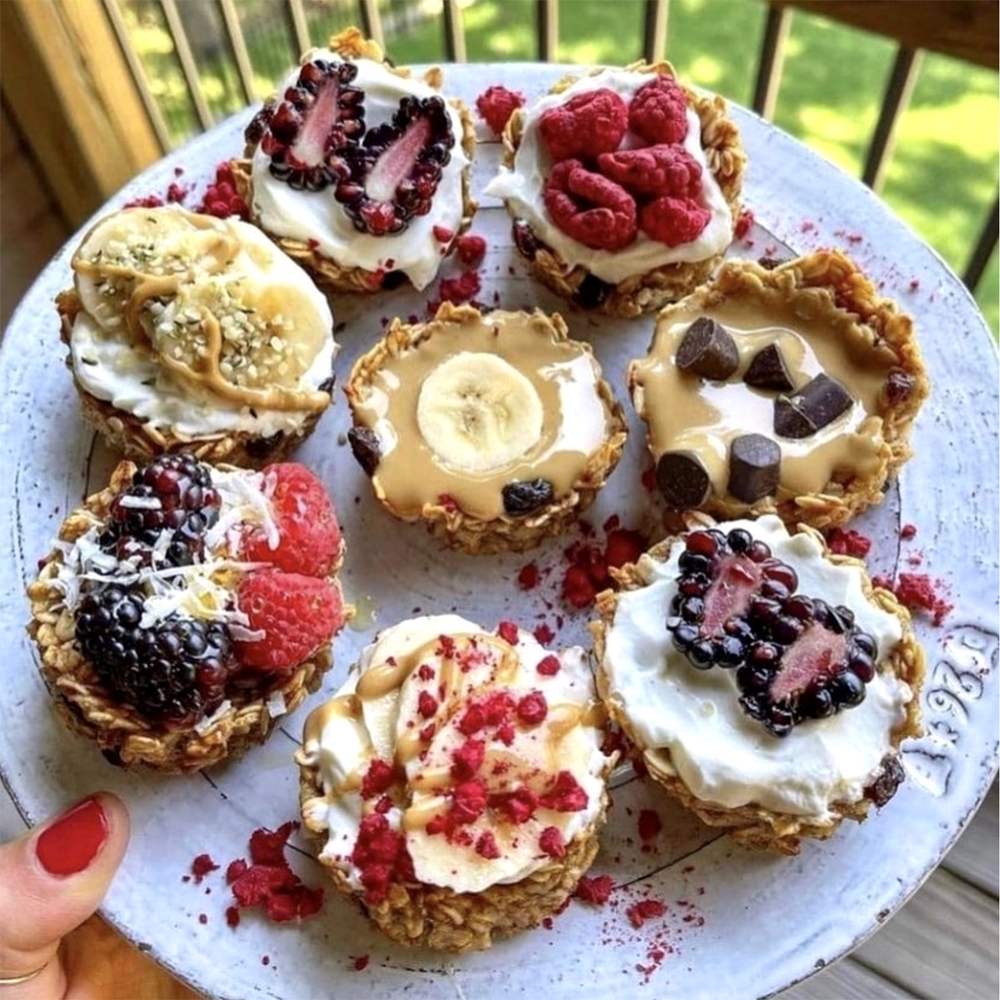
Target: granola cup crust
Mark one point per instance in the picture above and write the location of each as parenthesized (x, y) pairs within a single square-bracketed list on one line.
[(752, 825), (133, 439), (649, 291), (430, 916), (466, 532), (125, 736), (351, 44), (825, 282)]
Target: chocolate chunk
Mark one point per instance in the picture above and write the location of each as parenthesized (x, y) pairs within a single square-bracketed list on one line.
[(261, 448), (708, 350), (524, 496), (367, 449), (815, 405), (767, 370), (591, 292), (754, 467), (898, 386), (682, 479), (891, 775)]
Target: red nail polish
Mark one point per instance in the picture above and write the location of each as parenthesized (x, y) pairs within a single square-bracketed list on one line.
[(72, 842)]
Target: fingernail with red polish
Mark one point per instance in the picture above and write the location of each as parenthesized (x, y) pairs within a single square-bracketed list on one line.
[(72, 842)]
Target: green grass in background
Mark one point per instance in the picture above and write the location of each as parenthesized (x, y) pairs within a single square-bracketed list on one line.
[(941, 180)]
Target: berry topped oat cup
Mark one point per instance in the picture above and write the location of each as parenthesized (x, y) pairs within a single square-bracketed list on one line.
[(186, 608), (456, 784), (789, 389), (764, 681), (624, 187), (495, 429), (359, 170), (188, 332)]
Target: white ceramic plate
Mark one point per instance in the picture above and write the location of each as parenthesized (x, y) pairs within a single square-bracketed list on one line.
[(738, 924)]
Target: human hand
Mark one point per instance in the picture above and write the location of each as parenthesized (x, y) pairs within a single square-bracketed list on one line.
[(51, 880)]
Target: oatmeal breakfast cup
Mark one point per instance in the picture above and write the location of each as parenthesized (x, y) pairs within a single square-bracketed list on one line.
[(186, 608), (764, 681), (495, 429), (456, 784), (188, 332), (359, 170), (623, 187), (789, 390)]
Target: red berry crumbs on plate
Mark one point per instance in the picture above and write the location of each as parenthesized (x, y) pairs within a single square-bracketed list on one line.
[(595, 890), (744, 224), (528, 576), (908, 531), (650, 824), (360, 962), (848, 542), (646, 909), (201, 866), (458, 290), (918, 592)]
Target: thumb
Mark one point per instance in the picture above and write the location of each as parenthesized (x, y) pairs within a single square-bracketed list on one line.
[(53, 878)]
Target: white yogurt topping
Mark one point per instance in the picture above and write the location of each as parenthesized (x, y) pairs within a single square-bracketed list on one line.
[(317, 215), (342, 746), (522, 187), (721, 754), (133, 378)]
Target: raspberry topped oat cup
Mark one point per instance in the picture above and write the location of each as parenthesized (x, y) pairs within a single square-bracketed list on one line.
[(188, 332), (186, 608), (764, 681), (359, 170), (455, 786), (623, 186)]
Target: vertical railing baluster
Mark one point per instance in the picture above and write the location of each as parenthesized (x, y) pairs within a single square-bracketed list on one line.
[(897, 97), (654, 42), (188, 66), (371, 21), (300, 26), (548, 30), (454, 32), (138, 74), (772, 55), (985, 246), (234, 33)]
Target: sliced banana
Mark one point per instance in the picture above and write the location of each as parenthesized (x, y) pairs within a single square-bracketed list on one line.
[(477, 412)]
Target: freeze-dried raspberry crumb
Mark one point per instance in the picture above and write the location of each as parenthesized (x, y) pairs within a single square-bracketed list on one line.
[(649, 824), (623, 546), (427, 733), (496, 104), (548, 666), (589, 208), (528, 576), (577, 588), (259, 882), (233, 916), (543, 634), (267, 847), (565, 795), (473, 720), (449, 503), (917, 592), (235, 870), (427, 704), (848, 542), (468, 802), (517, 806), (508, 631), (551, 842), (645, 909), (443, 234), (486, 846), (145, 201), (908, 531), (176, 193), (467, 759), (360, 963), (381, 857), (377, 779), (594, 890), (425, 672), (532, 708), (460, 289), (471, 249), (744, 224), (658, 111), (201, 866), (588, 124), (654, 171), (498, 708), (673, 221), (221, 197)]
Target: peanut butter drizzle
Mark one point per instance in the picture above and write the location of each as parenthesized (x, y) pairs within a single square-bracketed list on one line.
[(686, 412), (215, 257), (575, 420), (346, 706)]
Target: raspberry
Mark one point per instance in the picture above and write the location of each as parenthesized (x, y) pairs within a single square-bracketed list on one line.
[(551, 842), (658, 111), (589, 208), (496, 104), (470, 249), (221, 197), (673, 221), (296, 613), (590, 123), (309, 539), (656, 170)]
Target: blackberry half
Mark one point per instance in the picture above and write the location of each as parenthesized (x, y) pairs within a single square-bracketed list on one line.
[(174, 672)]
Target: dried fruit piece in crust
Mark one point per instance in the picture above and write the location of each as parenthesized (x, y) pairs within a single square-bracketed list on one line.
[(827, 317), (93, 699), (763, 789), (457, 462)]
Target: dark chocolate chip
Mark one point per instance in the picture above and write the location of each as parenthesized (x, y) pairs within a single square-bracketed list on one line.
[(770, 263), (524, 496), (682, 479), (707, 349), (367, 449), (263, 447), (811, 408), (591, 292), (767, 370), (393, 280), (754, 467), (525, 239), (898, 386), (890, 777)]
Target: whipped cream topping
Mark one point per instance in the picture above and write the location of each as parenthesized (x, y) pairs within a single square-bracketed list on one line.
[(720, 753), (411, 703), (316, 217), (522, 186), (199, 326)]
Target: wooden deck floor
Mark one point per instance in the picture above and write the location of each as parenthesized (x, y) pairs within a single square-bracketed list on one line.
[(943, 944)]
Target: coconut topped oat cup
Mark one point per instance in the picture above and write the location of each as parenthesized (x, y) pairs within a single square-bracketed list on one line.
[(623, 187), (358, 169)]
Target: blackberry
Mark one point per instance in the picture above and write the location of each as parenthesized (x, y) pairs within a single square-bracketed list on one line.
[(174, 672), (174, 493)]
